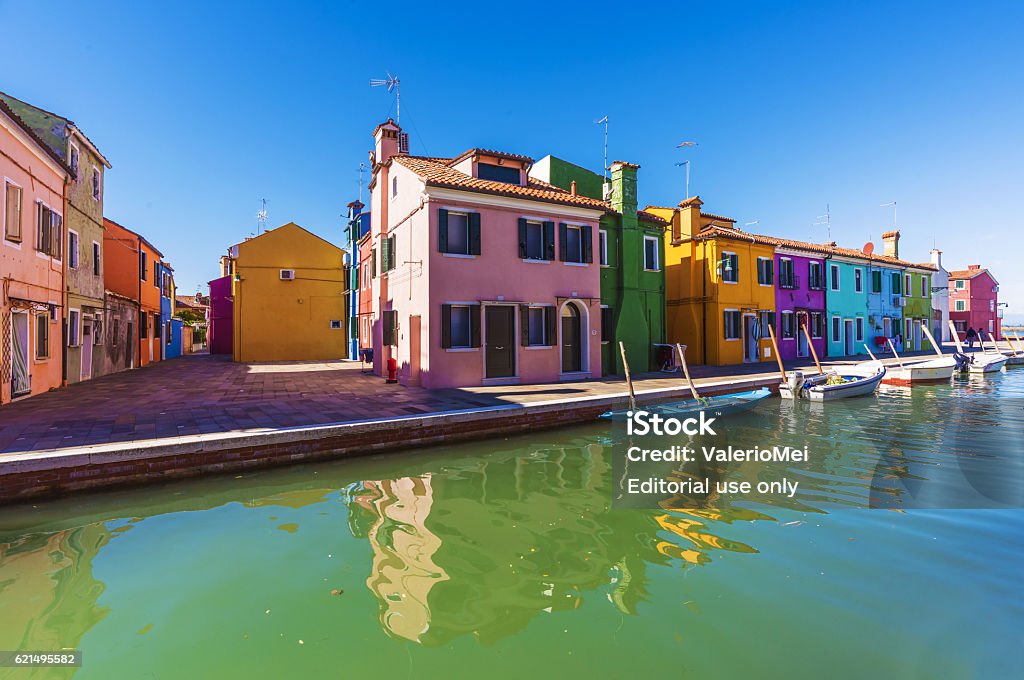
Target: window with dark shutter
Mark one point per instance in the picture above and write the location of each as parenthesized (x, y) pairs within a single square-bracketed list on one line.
[(563, 237), (524, 325), (587, 236), (549, 240), (373, 263), (474, 233), (607, 324), (446, 326), (522, 238), (442, 230), (550, 331), (389, 324)]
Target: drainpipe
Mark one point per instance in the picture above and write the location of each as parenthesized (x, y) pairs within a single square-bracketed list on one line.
[(704, 303), (64, 288)]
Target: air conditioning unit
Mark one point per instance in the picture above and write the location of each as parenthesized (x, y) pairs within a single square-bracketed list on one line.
[(287, 274), (897, 300), (403, 142)]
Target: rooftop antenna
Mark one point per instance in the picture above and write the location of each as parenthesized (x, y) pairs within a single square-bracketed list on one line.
[(893, 206), (261, 218), (825, 219), (394, 85), (686, 145), (750, 224), (362, 169), (604, 120)]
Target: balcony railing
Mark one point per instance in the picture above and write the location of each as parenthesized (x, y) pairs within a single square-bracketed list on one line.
[(816, 283), (789, 282)]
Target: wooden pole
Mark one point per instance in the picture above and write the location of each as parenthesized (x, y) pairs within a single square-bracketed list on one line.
[(814, 353), (956, 337), (775, 348), (893, 348), (994, 343), (935, 345), (681, 351), (629, 378), (873, 357), (1019, 350)]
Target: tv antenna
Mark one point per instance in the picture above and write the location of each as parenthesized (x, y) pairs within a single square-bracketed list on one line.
[(362, 169), (604, 120), (261, 218), (686, 145), (394, 85), (893, 206), (826, 220)]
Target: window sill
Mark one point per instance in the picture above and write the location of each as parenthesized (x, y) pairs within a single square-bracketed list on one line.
[(768, 285), (732, 339), (655, 271), (731, 283), (577, 264), (460, 256), (530, 260), (536, 347), (606, 266), (12, 243), (456, 350)]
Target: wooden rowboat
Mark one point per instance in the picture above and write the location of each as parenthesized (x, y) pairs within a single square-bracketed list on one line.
[(915, 372), (847, 381)]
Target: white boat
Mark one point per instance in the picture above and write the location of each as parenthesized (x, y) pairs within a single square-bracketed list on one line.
[(927, 371), (979, 362), (855, 380)]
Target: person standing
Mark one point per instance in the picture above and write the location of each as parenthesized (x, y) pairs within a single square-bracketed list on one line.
[(971, 335)]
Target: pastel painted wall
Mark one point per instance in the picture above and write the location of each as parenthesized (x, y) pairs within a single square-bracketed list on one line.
[(885, 313), (847, 302), (221, 331), (802, 300), (174, 349), (288, 320), (33, 281), (917, 310), (976, 303)]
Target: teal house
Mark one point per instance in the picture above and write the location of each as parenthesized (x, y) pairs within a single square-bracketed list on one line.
[(632, 263), (885, 311), (846, 303)]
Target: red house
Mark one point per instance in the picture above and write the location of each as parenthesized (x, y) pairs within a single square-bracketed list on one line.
[(974, 301)]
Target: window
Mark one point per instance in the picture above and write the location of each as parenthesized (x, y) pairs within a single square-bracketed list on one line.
[(767, 319), (532, 240), (651, 263), (42, 336), (836, 329), (74, 327), (961, 306), (607, 324), (12, 213), (457, 330), (498, 173), (788, 325), (897, 284), (960, 284), (49, 231), (817, 321), (602, 241), (766, 273), (787, 273), (335, 324), (142, 264), (924, 286), (96, 254), (991, 305), (458, 233), (156, 274), (143, 326), (387, 254), (730, 268), (366, 274), (859, 325), (394, 187), (167, 333), (95, 183), (907, 288), (72, 249), (97, 330), (537, 326), (991, 326), (858, 280), (815, 279), (576, 243), (833, 273), (732, 324), (74, 159), (876, 282)]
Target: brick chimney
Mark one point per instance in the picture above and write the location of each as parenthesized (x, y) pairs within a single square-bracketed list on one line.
[(973, 267), (891, 241), (688, 223), (385, 137), (623, 197)]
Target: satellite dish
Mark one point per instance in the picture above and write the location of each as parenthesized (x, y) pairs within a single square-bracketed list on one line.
[(869, 248)]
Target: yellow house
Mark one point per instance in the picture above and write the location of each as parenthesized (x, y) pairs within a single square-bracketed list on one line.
[(719, 287), (289, 297)]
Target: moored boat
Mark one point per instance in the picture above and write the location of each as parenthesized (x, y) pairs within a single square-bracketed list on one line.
[(723, 405), (856, 380), (979, 362), (915, 372)]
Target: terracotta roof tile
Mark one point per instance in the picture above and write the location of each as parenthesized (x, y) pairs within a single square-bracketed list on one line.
[(712, 216), (966, 273), (894, 233), (438, 173), (490, 152)]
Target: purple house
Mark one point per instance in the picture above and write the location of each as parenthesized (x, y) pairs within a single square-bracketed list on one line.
[(799, 298), (221, 321)]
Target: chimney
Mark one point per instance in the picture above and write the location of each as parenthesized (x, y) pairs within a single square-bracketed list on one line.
[(689, 219), (891, 241), (354, 208), (623, 197), (572, 188), (937, 258), (973, 267), (386, 139)]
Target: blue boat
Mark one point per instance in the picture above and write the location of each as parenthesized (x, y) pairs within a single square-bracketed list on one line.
[(724, 405)]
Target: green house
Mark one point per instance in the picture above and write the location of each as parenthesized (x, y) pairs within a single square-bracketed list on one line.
[(632, 263)]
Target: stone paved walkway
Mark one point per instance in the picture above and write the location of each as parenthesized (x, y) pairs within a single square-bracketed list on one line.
[(200, 394)]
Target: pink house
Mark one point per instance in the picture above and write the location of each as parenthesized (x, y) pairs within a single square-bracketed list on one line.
[(974, 301), (32, 298), (479, 274)]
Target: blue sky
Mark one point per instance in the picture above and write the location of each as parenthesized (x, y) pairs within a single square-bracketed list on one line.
[(205, 110)]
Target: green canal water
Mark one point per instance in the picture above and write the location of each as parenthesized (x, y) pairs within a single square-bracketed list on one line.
[(506, 559)]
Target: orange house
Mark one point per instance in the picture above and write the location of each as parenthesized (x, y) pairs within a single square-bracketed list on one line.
[(131, 270)]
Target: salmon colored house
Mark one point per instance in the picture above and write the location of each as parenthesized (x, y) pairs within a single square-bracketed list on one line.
[(132, 270), (974, 302), (32, 299), (480, 274)]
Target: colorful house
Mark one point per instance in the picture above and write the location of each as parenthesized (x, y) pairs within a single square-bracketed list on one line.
[(34, 179), (357, 227), (221, 318), (719, 290), (288, 291), (799, 299), (133, 271), (83, 264), (632, 260), (172, 333), (121, 334), (486, 276), (974, 297)]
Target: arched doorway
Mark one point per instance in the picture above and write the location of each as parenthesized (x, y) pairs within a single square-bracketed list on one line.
[(572, 349)]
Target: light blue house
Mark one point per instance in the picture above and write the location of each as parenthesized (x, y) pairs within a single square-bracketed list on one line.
[(173, 348), (358, 225), (885, 297)]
